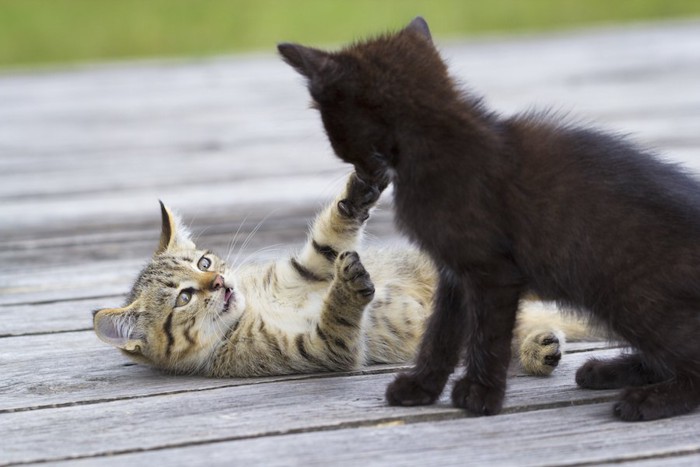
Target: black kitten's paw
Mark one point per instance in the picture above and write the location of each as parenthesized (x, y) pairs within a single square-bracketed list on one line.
[(477, 398), (361, 196), (595, 375), (623, 371), (656, 401), (408, 390), (349, 269)]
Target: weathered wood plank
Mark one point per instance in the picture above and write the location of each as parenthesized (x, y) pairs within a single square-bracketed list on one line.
[(110, 208), (75, 367), (664, 460), (242, 411), (73, 315), (579, 435)]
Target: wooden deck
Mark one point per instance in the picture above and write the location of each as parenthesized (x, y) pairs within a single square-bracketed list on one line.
[(86, 153)]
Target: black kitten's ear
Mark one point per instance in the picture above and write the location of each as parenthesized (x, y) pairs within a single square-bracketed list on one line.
[(420, 26), (307, 61)]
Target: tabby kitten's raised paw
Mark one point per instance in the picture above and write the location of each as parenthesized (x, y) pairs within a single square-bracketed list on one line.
[(540, 353), (349, 269)]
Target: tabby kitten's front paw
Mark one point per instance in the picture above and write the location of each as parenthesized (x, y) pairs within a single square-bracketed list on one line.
[(540, 353), (408, 390), (361, 196), (477, 398), (350, 270)]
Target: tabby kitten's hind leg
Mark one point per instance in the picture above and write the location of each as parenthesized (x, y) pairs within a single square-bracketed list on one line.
[(540, 352), (339, 227)]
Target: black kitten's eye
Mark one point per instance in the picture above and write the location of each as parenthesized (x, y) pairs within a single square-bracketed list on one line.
[(184, 298), (204, 263)]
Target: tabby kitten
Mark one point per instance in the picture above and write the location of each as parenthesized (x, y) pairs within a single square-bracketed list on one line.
[(509, 205), (189, 312)]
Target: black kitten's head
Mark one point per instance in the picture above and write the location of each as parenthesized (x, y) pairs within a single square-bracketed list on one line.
[(370, 93)]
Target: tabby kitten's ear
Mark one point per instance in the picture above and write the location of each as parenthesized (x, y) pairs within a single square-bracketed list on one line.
[(420, 26), (117, 326), (174, 235)]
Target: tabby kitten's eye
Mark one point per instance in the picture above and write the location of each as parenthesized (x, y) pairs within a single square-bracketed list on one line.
[(184, 298), (204, 263)]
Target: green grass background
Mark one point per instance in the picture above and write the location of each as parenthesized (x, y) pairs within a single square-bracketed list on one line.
[(60, 31)]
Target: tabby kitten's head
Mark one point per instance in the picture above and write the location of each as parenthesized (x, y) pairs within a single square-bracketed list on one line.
[(365, 91), (180, 307)]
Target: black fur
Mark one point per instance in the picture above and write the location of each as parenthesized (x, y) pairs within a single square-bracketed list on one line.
[(506, 206)]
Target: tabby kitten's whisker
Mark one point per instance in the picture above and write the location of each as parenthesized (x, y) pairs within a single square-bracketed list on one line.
[(234, 238), (266, 249), (251, 234)]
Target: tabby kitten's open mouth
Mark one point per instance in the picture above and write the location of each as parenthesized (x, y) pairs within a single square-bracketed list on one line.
[(229, 296)]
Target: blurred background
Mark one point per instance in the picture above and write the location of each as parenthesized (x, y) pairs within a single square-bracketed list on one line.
[(63, 31), (107, 106)]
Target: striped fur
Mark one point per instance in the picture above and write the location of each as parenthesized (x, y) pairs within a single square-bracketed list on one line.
[(320, 310)]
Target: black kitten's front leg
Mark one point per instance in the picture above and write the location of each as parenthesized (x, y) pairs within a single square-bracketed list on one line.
[(439, 351), (482, 388)]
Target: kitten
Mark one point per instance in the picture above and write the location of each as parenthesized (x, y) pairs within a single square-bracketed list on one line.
[(522, 204), (189, 312)]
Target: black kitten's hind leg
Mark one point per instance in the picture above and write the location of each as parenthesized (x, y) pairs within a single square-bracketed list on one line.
[(618, 372), (482, 389), (439, 351), (673, 397), (649, 394)]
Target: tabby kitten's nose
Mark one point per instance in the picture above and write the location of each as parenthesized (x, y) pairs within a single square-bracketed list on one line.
[(218, 282)]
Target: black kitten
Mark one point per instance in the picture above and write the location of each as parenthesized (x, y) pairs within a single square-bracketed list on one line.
[(510, 205)]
